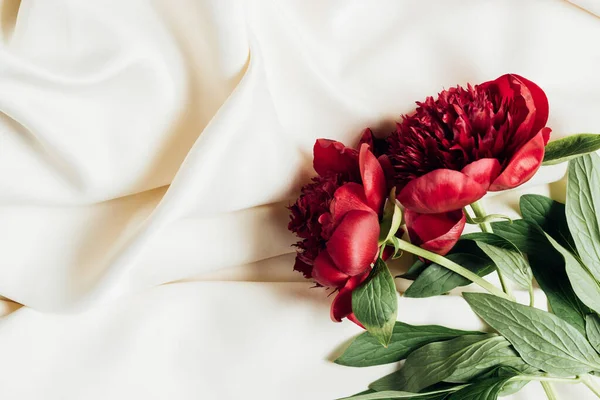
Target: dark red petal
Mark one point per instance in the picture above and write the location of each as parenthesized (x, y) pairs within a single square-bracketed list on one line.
[(353, 244), (332, 156), (440, 191), (342, 304), (523, 164), (510, 87), (348, 197), (303, 267), (546, 134), (367, 137), (435, 232), (541, 103), (483, 171), (353, 318), (388, 170), (502, 84), (326, 273), (373, 178), (387, 252)]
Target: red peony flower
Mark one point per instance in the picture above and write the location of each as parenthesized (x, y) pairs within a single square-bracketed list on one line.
[(454, 149), (435, 232), (337, 218), (468, 141)]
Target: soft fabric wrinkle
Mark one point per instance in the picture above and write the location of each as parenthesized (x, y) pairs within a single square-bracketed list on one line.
[(219, 103)]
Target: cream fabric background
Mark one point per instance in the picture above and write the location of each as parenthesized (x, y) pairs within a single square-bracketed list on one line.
[(147, 151)]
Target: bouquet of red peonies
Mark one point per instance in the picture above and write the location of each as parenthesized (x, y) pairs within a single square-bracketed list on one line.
[(413, 192)]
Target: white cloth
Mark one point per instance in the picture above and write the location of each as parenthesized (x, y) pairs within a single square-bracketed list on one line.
[(150, 142)]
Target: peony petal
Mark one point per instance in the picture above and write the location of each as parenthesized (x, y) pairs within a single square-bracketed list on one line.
[(483, 171), (388, 170), (348, 197), (373, 179), (342, 304), (440, 191), (353, 244), (303, 267), (540, 101), (353, 318), (325, 272), (523, 164), (332, 156), (512, 86), (435, 232), (368, 138), (546, 135), (378, 146)]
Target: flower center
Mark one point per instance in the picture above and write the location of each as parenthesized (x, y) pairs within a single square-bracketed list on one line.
[(461, 126)]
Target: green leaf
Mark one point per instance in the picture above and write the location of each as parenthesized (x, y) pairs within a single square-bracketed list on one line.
[(414, 270), (549, 272), (542, 339), (366, 350), (394, 394), (457, 360), (583, 209), (592, 327), (518, 233), (506, 256), (547, 264), (511, 387), (565, 149), (462, 246), (488, 218), (436, 280), (375, 303), (396, 243), (548, 215), (392, 219), (487, 389), (583, 282)]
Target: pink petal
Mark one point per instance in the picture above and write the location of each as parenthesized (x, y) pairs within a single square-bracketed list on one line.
[(353, 244), (483, 171), (332, 156), (373, 179), (326, 273), (348, 197), (435, 232), (523, 164), (440, 191), (342, 304)]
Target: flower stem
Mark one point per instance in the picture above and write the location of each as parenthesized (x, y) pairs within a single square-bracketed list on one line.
[(454, 267), (531, 296), (591, 384), (487, 227), (549, 390), (542, 378)]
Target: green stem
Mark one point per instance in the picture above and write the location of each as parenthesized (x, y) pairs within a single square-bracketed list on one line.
[(531, 296), (542, 378), (549, 390), (454, 267), (487, 227), (591, 384), (480, 213)]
